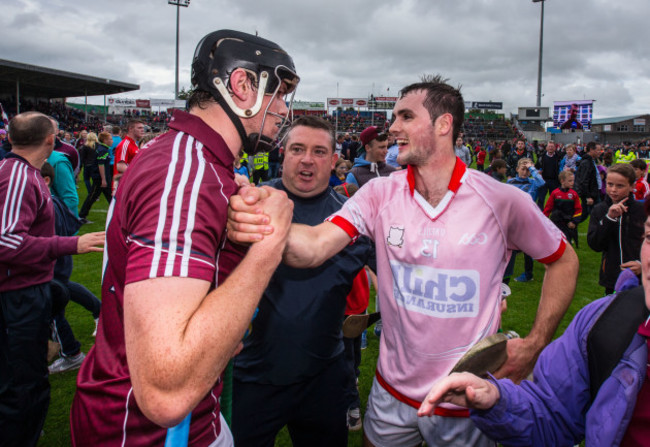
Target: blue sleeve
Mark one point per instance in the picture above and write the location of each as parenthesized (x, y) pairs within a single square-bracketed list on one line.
[(64, 186), (552, 409), (351, 179), (536, 179)]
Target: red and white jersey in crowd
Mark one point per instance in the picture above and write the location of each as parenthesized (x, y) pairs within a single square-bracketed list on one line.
[(641, 189), (440, 268), (125, 152)]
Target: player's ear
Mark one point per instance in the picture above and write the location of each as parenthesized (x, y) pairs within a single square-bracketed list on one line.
[(240, 85), (444, 124)]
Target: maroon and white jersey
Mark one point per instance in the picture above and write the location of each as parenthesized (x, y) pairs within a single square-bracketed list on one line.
[(168, 218), (28, 246)]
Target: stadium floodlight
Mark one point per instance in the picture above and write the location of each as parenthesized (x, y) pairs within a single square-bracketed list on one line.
[(178, 4), (539, 62)]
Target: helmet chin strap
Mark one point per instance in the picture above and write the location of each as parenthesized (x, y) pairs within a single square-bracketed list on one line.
[(252, 143), (260, 143), (247, 141)]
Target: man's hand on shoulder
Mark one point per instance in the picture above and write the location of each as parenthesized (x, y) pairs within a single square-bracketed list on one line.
[(91, 242)]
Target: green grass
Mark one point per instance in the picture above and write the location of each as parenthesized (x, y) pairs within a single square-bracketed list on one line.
[(522, 306)]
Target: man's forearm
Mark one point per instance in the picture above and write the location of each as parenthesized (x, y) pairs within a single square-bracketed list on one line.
[(309, 247), (557, 292), (176, 358)]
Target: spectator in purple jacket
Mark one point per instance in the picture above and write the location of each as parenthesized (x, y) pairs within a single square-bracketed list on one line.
[(28, 251), (559, 407)]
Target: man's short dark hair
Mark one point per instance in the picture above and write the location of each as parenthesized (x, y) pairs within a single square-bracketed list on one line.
[(47, 171), (639, 164), (624, 169), (116, 130), (315, 122), (132, 123), (591, 146), (200, 99), (440, 98), (498, 164), (30, 129)]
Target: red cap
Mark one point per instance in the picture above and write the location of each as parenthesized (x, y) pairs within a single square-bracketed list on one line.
[(369, 134)]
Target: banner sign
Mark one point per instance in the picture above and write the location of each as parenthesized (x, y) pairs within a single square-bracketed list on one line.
[(488, 105), (347, 102)]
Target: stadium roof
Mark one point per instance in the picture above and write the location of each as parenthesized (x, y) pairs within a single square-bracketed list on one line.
[(42, 82), (614, 120)]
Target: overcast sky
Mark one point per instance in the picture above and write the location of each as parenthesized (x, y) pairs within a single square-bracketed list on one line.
[(593, 49)]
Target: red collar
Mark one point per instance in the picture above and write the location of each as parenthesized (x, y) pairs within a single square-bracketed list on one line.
[(454, 182)]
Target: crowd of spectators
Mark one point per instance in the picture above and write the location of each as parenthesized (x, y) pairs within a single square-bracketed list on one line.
[(69, 118)]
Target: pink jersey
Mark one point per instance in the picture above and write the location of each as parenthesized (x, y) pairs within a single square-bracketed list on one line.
[(168, 219), (440, 269)]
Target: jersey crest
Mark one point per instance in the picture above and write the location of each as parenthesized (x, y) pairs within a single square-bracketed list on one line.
[(395, 236)]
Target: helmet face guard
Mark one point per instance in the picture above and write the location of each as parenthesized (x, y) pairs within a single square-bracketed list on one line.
[(268, 66), (289, 80)]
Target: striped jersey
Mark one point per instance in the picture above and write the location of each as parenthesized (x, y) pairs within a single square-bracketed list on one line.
[(167, 219), (439, 269), (28, 245)]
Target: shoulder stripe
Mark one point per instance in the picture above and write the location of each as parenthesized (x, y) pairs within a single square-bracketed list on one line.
[(189, 228), (7, 210), (19, 200), (11, 209), (178, 205), (125, 150), (162, 212)]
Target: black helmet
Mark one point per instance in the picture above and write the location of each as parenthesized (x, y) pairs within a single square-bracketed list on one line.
[(220, 53)]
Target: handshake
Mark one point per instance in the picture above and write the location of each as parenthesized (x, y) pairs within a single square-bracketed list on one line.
[(260, 215)]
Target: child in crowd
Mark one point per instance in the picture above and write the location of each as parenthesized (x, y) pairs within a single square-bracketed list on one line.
[(616, 227), (564, 208), (480, 158), (498, 169), (571, 159), (240, 169), (340, 172), (528, 180), (641, 188)]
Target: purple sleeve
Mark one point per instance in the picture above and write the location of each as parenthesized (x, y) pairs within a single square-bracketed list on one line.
[(20, 242), (550, 410)]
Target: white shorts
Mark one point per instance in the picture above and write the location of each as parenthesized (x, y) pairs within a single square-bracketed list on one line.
[(389, 422)]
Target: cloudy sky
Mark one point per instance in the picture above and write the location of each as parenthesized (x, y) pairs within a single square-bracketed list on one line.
[(593, 49)]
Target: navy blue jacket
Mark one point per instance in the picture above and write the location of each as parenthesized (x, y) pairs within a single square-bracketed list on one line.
[(297, 331)]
